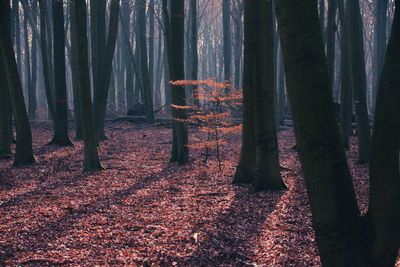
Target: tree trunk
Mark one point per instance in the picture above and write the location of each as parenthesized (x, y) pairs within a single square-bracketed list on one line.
[(174, 32), (143, 63), (226, 20), (384, 208), (102, 57), (329, 185), (61, 102), (358, 78), (91, 160), (380, 37), (9, 71)]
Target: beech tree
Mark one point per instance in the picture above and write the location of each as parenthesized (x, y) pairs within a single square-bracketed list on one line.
[(61, 102), (259, 159), (344, 237), (10, 75), (174, 36), (91, 161)]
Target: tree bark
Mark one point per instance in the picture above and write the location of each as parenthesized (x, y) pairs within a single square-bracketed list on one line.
[(9, 71), (358, 78), (91, 161)]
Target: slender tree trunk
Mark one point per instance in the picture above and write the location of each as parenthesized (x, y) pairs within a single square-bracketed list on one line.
[(358, 78), (380, 37), (46, 64), (5, 119), (75, 75), (226, 18), (91, 161), (102, 57), (9, 71), (331, 37), (174, 28), (143, 62), (346, 98), (61, 103), (194, 61)]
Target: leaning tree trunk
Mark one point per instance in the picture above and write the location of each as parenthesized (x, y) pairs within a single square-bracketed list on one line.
[(9, 70), (384, 208), (335, 213), (61, 102), (358, 78), (91, 161)]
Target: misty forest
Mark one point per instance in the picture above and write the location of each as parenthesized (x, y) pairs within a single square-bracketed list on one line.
[(200, 133)]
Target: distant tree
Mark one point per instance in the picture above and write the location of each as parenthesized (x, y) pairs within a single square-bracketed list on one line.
[(259, 159), (226, 21), (141, 39), (174, 35), (61, 102), (5, 119), (358, 77), (344, 238), (92, 162), (103, 48), (9, 73)]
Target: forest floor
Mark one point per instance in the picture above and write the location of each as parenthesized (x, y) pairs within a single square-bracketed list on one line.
[(143, 211)]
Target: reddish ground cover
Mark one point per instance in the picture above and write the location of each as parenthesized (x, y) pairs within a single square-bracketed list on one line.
[(143, 211)]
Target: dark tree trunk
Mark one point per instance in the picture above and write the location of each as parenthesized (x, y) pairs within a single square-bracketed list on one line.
[(358, 78), (380, 37), (142, 60), (46, 61), (91, 161), (12, 81), (331, 37), (226, 20), (384, 208), (194, 61), (102, 57), (61, 102), (174, 32), (259, 160), (75, 75)]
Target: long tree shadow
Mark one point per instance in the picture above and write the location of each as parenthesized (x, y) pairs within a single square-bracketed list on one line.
[(232, 240), (40, 238)]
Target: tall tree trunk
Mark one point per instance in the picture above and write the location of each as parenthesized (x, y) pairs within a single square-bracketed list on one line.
[(259, 160), (226, 20), (103, 48), (75, 75), (174, 32), (358, 78), (10, 75), (91, 161), (46, 61), (331, 37), (147, 94), (346, 97), (384, 208), (328, 180), (32, 107), (380, 37), (61, 103), (194, 61)]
